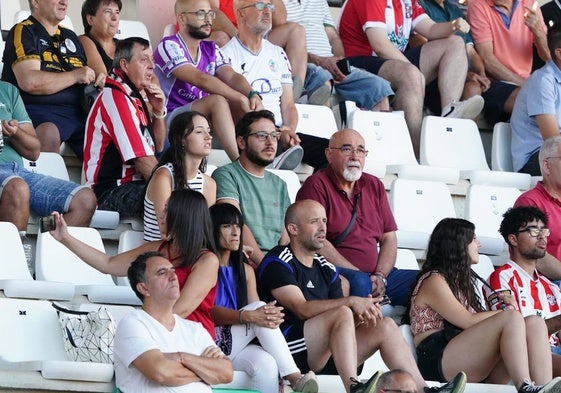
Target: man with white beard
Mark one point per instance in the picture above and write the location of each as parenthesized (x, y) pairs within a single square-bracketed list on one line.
[(359, 220)]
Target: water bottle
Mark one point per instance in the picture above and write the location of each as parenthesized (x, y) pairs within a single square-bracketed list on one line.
[(28, 251)]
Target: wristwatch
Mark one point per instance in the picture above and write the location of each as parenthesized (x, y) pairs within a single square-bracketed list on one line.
[(382, 277)]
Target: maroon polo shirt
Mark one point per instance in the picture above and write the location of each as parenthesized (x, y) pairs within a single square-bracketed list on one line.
[(374, 217)]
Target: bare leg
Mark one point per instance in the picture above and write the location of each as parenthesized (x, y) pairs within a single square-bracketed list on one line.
[(14, 203), (332, 333), (382, 105), (471, 89), (292, 37), (502, 335), (217, 109), (395, 352), (509, 103), (49, 137), (219, 37), (409, 86), (538, 345), (82, 208), (446, 59)]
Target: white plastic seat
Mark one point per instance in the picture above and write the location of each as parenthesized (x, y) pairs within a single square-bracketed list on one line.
[(316, 120), (291, 179), (55, 262), (389, 144), (33, 342), (485, 206), (16, 281), (218, 157), (501, 156), (210, 168), (406, 259), (132, 28), (417, 207), (456, 143), (2, 46), (24, 14), (127, 241), (483, 268)]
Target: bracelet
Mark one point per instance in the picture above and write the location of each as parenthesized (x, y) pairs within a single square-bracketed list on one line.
[(240, 317), (254, 93), (164, 114), (382, 277)]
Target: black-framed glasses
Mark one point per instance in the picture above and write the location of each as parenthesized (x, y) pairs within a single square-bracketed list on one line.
[(349, 150), (260, 6), (263, 135), (535, 231), (202, 14)]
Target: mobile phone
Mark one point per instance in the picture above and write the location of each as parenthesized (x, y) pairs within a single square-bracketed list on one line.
[(344, 66), (385, 300), (47, 224)]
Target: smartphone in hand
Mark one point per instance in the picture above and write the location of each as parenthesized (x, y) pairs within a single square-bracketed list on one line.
[(47, 224), (344, 66)]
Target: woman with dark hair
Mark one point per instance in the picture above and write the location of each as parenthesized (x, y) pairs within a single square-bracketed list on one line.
[(101, 22), (453, 333), (182, 166), (240, 316), (189, 246)]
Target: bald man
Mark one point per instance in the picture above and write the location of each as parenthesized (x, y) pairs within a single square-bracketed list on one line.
[(352, 244), (326, 332)]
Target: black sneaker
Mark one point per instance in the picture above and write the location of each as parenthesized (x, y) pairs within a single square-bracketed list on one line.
[(366, 387), (457, 385), (553, 386)]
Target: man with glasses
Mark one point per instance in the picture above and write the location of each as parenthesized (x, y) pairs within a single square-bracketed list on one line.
[(195, 75), (537, 110), (359, 220), (546, 196), (261, 196), (525, 230)]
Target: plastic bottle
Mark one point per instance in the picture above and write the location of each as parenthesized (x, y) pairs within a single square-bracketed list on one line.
[(28, 251)]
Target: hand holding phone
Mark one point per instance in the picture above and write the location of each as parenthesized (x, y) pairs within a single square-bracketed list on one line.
[(47, 224), (344, 66)]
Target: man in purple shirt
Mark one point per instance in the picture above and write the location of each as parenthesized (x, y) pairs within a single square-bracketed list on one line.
[(342, 188), (195, 75)]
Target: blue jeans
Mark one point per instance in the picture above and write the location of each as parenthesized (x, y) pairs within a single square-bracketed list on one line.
[(398, 289), (359, 86), (47, 193)]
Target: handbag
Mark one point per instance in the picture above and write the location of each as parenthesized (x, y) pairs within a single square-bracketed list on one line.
[(88, 335)]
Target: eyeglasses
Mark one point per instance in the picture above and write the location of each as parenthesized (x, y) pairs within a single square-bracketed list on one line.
[(535, 231), (260, 6), (201, 14), (263, 135), (348, 150)]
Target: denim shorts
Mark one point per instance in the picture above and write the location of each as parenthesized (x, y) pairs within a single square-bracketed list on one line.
[(359, 86), (47, 193)]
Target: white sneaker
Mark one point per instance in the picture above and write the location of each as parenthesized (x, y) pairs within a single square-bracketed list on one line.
[(288, 159), (467, 109)]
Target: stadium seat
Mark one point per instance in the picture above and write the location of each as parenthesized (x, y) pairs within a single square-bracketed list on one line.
[(456, 143), (16, 281), (417, 207), (55, 262), (483, 268), (210, 168), (24, 14), (127, 241), (485, 206), (501, 156), (406, 259), (316, 120), (2, 46), (33, 342), (132, 28), (389, 143), (291, 179), (218, 157)]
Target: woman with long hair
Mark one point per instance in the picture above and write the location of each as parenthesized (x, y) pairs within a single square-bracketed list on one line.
[(453, 333), (240, 316), (189, 246), (182, 166)]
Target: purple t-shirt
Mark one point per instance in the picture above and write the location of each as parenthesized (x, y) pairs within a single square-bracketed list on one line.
[(171, 54)]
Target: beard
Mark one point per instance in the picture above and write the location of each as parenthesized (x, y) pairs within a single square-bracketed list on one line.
[(352, 173), (254, 157), (535, 253), (197, 33)]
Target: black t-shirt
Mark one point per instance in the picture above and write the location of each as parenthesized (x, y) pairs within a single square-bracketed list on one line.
[(280, 268)]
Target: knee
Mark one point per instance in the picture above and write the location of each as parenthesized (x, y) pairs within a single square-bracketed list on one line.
[(471, 89), (411, 77), (456, 44), (84, 202), (217, 103), (296, 32), (220, 37), (388, 328), (343, 316), (535, 326), (48, 130), (16, 194)]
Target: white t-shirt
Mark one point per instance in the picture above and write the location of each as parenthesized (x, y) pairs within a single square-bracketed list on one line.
[(137, 333), (266, 71)]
